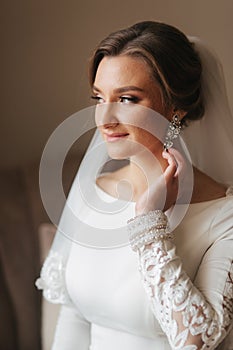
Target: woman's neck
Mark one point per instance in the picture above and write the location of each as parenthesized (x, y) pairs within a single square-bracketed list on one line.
[(131, 181)]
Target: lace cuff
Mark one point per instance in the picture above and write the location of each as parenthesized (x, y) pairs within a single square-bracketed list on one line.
[(52, 279), (148, 228)]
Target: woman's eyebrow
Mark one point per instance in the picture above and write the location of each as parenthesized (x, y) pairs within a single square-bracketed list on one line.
[(128, 88), (121, 89)]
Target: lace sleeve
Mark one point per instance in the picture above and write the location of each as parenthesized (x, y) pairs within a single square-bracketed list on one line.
[(52, 279), (193, 315), (72, 330)]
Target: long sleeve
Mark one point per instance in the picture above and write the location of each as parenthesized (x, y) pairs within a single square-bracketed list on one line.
[(194, 315), (72, 331)]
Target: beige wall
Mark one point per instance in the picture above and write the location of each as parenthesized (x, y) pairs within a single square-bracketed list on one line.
[(46, 45), (45, 48)]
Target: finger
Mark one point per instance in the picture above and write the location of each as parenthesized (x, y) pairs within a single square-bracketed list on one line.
[(170, 158), (171, 169), (180, 161)]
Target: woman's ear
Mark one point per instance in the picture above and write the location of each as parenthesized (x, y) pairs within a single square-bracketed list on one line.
[(180, 113)]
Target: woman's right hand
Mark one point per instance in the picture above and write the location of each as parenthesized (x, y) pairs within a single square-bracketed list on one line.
[(162, 194)]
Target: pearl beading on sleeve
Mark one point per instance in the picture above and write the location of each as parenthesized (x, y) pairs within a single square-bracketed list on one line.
[(147, 228)]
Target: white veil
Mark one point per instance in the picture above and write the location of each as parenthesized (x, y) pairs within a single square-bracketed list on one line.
[(209, 141)]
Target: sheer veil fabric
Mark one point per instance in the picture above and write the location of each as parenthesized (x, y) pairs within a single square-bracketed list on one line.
[(209, 142)]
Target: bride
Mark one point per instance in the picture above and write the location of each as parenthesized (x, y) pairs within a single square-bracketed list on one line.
[(171, 287)]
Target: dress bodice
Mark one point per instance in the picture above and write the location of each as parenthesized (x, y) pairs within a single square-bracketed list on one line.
[(106, 287)]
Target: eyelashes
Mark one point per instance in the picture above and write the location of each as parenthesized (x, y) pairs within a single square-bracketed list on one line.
[(122, 99), (127, 99), (96, 98)]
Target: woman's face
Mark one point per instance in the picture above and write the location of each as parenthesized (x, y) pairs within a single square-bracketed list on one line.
[(126, 81)]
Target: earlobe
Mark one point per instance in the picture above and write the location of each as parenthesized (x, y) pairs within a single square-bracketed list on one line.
[(180, 113)]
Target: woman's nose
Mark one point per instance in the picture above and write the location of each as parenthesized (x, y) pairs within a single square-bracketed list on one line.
[(106, 115)]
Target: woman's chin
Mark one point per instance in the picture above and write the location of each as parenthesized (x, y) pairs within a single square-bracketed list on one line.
[(117, 156), (123, 150)]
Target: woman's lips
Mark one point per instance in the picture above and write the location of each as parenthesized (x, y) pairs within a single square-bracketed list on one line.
[(114, 137)]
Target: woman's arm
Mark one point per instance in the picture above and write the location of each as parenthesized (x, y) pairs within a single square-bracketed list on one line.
[(193, 315), (191, 319), (72, 331)]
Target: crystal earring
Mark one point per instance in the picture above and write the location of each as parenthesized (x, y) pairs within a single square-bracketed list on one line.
[(173, 132)]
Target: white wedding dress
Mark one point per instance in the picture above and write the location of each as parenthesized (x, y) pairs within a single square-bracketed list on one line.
[(110, 305), (115, 299)]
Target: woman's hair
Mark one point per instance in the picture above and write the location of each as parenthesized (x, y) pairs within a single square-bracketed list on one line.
[(172, 59)]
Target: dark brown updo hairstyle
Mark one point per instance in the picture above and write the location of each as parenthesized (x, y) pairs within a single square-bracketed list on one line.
[(172, 59)]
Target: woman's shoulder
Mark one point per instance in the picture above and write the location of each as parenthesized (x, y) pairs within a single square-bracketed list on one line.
[(226, 209), (213, 217), (206, 188), (222, 223)]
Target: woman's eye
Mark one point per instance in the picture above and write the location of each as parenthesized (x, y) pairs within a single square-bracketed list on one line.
[(98, 99), (128, 99)]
